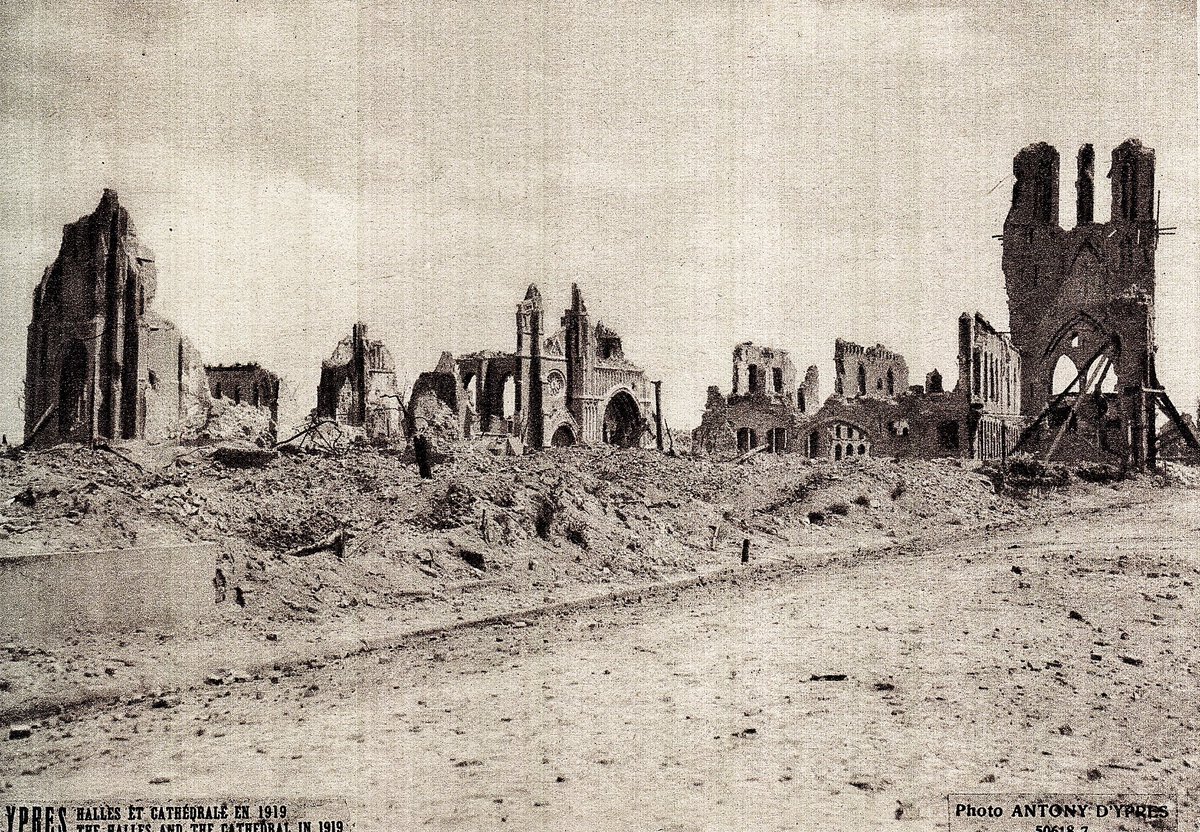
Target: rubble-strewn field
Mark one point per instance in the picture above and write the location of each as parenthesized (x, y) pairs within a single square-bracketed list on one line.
[(487, 533), (534, 521), (1053, 652)]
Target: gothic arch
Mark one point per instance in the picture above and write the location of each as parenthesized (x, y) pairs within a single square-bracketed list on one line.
[(621, 421)]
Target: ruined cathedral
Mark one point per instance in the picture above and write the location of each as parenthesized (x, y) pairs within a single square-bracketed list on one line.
[(571, 385)]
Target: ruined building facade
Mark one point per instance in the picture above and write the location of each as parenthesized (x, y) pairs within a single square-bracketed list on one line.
[(868, 372), (873, 410), (100, 363), (566, 386), (1081, 306), (358, 387), (764, 406)]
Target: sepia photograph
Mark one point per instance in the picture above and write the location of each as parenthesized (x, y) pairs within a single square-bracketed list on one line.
[(533, 415)]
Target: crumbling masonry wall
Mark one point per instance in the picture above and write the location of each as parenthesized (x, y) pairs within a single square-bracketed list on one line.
[(358, 387), (868, 372), (764, 407), (247, 384), (100, 363)]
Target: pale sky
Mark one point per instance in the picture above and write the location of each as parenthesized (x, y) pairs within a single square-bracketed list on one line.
[(709, 173)]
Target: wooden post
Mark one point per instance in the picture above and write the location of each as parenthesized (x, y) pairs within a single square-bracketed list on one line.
[(658, 419), (746, 550)]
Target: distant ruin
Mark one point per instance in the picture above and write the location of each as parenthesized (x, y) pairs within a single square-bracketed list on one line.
[(570, 386), (764, 406), (1076, 375), (358, 387), (100, 363), (873, 410)]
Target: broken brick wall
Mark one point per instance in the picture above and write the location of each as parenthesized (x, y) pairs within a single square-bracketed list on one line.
[(989, 366), (763, 371), (871, 372), (358, 387)]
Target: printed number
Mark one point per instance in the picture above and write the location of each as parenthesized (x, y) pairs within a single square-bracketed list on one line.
[(1068, 828), (270, 812), (330, 826)]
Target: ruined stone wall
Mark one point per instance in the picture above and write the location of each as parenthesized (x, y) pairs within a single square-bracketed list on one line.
[(358, 387), (245, 383), (989, 366), (762, 371), (871, 372), (98, 359), (761, 409), (745, 422), (808, 394)]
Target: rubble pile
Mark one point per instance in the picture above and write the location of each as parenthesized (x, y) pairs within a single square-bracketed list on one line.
[(306, 534)]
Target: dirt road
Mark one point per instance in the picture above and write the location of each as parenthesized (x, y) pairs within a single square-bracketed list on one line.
[(1056, 658)]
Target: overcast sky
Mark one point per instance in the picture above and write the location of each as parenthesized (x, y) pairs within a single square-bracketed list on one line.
[(708, 172)]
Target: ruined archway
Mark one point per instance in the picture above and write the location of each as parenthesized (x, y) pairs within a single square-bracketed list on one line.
[(72, 382), (622, 424), (563, 437), (499, 400)]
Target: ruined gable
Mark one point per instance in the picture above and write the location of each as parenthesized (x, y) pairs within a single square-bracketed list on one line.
[(358, 387)]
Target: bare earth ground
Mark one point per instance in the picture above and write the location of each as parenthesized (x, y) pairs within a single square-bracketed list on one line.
[(699, 710)]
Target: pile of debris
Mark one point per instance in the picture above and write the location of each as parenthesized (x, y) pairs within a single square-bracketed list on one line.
[(305, 535)]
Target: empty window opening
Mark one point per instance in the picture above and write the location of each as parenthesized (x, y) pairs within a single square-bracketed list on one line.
[(1066, 376), (891, 382), (754, 383), (862, 380), (814, 443), (747, 439), (1096, 384), (777, 440), (777, 379)]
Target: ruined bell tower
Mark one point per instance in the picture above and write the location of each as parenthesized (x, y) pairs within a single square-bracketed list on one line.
[(1087, 295)]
